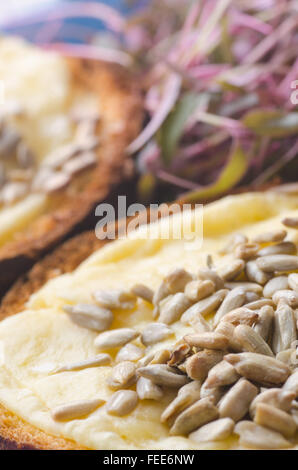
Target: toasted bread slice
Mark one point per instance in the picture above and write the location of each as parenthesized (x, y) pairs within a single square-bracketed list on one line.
[(120, 119)]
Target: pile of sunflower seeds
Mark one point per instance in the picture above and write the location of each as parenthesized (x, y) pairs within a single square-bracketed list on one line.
[(19, 172), (234, 374)]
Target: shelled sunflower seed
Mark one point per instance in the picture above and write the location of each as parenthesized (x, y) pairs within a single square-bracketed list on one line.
[(253, 435), (155, 333), (76, 409), (90, 316), (147, 390), (234, 299), (122, 402), (276, 397), (115, 299), (172, 307), (115, 338), (235, 403), (123, 375), (215, 431), (186, 396), (204, 307), (99, 360)]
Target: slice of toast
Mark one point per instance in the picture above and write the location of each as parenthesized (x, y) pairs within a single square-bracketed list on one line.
[(120, 120)]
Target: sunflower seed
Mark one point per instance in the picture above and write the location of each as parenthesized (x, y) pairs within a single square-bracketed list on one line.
[(227, 329), (177, 280), (246, 286), (122, 402), (262, 369), (234, 299), (241, 316), (278, 263), (9, 141), (172, 307), (207, 274), (200, 325), (204, 307), (145, 360), (294, 413), (161, 374), (179, 354), (161, 293), (129, 352), (291, 222), (255, 274), (154, 333), (115, 299), (187, 395), (161, 357), (115, 338), (273, 418), (12, 192), (100, 360), (199, 413), (279, 398), (198, 290), (213, 393), (235, 403), (270, 237), (293, 281), (254, 436), (214, 431), (90, 316), (236, 239), (251, 297), (246, 251), (284, 328), (60, 155), (209, 261), (258, 304), (80, 163), (140, 290), (288, 357), (251, 341), (148, 390), (292, 383), (274, 285), (221, 374), (55, 182), (283, 248), (265, 322), (289, 297), (198, 365), (123, 375), (232, 270), (209, 340), (76, 409)]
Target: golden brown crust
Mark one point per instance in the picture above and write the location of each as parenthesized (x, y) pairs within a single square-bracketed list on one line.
[(120, 103)]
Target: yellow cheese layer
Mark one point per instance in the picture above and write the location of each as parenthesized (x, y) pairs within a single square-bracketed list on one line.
[(36, 341)]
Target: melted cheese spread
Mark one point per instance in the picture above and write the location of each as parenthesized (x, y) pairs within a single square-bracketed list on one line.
[(41, 338)]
